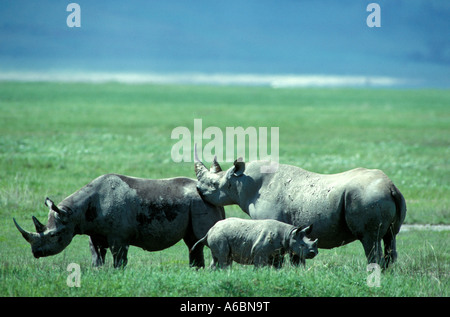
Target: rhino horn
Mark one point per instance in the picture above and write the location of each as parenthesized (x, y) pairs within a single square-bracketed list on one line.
[(197, 160), (29, 236), (39, 226), (200, 168), (215, 167)]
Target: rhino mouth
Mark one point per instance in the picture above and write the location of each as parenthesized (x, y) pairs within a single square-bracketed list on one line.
[(38, 254), (310, 255)]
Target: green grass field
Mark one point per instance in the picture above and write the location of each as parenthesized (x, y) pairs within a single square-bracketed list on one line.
[(55, 138)]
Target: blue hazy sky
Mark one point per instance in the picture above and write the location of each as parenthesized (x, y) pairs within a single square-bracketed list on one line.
[(328, 37)]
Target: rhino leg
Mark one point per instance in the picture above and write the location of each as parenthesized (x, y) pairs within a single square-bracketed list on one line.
[(221, 255), (390, 250), (277, 261), (203, 217), (221, 262), (214, 263), (260, 261), (98, 246), (196, 258), (371, 242), (119, 252), (295, 259), (372, 248)]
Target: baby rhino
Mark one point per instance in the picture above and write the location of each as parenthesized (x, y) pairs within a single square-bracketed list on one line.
[(257, 242)]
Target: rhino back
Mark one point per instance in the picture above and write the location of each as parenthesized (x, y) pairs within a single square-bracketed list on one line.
[(152, 214), (301, 198), (161, 210), (292, 194), (175, 199)]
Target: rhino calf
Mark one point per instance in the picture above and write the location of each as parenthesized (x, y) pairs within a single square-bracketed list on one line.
[(257, 242), (117, 211)]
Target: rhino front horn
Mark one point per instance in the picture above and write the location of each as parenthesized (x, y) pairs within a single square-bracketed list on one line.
[(200, 168), (196, 159), (29, 236)]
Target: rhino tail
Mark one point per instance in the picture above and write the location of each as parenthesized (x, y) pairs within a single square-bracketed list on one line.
[(400, 205), (202, 240)]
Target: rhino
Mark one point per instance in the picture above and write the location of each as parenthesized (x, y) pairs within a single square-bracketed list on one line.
[(117, 211), (257, 242), (359, 204)]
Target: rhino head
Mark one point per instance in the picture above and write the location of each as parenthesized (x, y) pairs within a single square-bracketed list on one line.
[(301, 245), (237, 185), (216, 186), (52, 238)]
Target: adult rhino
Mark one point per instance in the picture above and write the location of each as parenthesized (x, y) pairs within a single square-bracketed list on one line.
[(360, 204), (117, 211)]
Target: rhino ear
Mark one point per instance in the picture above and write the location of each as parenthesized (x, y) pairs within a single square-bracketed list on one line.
[(308, 230), (51, 205), (302, 230), (239, 167), (215, 167)]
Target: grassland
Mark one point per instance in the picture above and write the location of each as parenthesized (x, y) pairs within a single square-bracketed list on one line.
[(55, 138)]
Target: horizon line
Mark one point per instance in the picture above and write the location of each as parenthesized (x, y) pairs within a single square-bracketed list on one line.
[(203, 78)]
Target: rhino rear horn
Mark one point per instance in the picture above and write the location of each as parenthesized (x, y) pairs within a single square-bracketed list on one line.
[(39, 226), (215, 167)]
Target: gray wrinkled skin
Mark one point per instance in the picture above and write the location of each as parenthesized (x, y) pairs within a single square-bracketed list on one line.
[(360, 204), (117, 211), (257, 242)]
